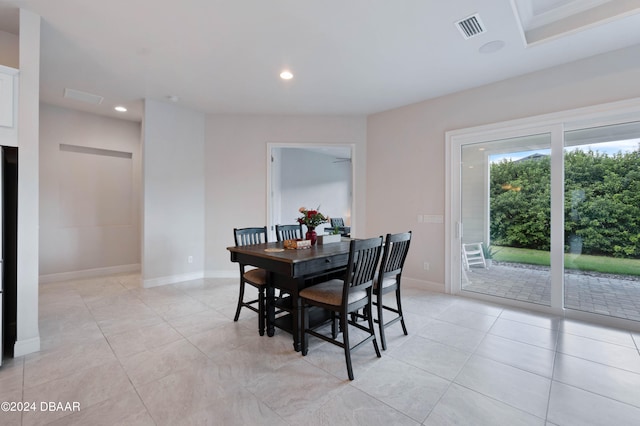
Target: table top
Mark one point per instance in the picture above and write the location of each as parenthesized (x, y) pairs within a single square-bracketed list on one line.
[(277, 252)]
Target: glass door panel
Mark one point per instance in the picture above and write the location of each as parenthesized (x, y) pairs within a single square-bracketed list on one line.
[(602, 220), (506, 218)]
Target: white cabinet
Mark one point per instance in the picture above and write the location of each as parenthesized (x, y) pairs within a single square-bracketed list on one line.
[(7, 96), (8, 106)]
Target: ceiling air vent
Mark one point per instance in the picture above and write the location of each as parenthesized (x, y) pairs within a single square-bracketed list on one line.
[(83, 96), (471, 26)]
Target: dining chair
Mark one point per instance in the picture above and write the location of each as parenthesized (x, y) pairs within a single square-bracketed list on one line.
[(338, 222), (256, 277), (388, 280), (289, 232), (346, 296)]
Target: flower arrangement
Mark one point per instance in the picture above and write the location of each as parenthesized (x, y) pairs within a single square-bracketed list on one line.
[(312, 218)]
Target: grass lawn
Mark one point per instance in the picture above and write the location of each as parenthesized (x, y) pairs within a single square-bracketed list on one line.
[(584, 262)]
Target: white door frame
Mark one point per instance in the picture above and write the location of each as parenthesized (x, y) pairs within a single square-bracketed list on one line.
[(272, 191)]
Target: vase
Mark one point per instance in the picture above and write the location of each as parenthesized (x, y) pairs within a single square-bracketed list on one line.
[(311, 235)]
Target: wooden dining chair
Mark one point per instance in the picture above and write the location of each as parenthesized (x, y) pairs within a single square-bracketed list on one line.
[(338, 222), (256, 277), (388, 280), (289, 232), (346, 296)]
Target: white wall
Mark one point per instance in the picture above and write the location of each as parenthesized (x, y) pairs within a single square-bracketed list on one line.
[(9, 46), (89, 199), (236, 170), (28, 336), (409, 143), (311, 179), (173, 186)]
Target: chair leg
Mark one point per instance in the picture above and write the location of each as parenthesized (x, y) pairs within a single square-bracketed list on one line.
[(261, 310), (404, 327), (368, 310), (347, 346), (383, 340), (240, 299)]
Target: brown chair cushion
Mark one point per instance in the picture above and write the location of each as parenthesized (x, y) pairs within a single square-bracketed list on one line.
[(256, 276), (330, 293)]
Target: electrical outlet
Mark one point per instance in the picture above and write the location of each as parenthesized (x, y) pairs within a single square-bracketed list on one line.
[(426, 266), (190, 259)]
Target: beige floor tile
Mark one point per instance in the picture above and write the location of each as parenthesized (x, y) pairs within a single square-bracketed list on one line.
[(462, 406), (200, 322), (11, 375), (517, 388), (611, 382), (43, 367), (141, 339), (182, 360), (85, 387), (572, 406), (154, 363), (436, 358), (295, 389), (407, 389), (622, 357), (353, 407), (184, 392), (238, 407), (525, 333), (533, 359)]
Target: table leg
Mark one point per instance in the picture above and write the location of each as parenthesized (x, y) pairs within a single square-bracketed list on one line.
[(270, 308), (296, 322)]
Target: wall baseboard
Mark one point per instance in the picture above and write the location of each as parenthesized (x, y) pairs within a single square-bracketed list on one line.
[(222, 274), (428, 285), (24, 347), (171, 279), (90, 273)]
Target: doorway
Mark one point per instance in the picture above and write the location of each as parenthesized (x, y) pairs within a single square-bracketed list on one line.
[(311, 176)]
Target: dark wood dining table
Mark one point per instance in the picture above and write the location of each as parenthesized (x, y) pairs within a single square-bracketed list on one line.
[(291, 271)]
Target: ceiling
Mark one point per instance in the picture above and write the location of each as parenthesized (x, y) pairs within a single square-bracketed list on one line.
[(353, 57)]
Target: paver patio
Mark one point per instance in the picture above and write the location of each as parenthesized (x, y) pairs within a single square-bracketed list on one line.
[(613, 295)]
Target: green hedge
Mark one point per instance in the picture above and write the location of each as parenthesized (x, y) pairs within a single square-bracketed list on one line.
[(602, 203)]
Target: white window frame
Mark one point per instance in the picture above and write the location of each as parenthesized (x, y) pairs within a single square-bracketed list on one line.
[(556, 124)]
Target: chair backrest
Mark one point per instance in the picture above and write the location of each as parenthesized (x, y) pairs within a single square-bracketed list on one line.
[(361, 269), (289, 232), (247, 236), (336, 221), (395, 252)]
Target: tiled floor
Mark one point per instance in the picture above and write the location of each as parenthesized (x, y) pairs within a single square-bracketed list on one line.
[(173, 356)]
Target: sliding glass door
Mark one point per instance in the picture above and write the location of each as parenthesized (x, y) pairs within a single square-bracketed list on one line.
[(549, 216), (602, 220), (506, 218)]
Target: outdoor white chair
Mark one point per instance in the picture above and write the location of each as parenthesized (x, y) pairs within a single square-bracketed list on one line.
[(472, 254)]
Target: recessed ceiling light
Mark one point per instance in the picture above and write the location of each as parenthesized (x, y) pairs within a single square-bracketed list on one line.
[(120, 109), (491, 47), (286, 75), (173, 98)]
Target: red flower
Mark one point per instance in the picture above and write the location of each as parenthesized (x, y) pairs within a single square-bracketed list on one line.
[(311, 218)]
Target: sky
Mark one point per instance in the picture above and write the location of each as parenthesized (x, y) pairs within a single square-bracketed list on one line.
[(608, 148)]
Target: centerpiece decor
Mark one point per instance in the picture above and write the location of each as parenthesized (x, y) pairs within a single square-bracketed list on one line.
[(312, 218)]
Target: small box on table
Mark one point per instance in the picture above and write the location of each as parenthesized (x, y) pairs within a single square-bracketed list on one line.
[(297, 244)]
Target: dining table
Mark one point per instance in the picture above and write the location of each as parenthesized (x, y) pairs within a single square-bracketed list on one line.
[(290, 271)]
